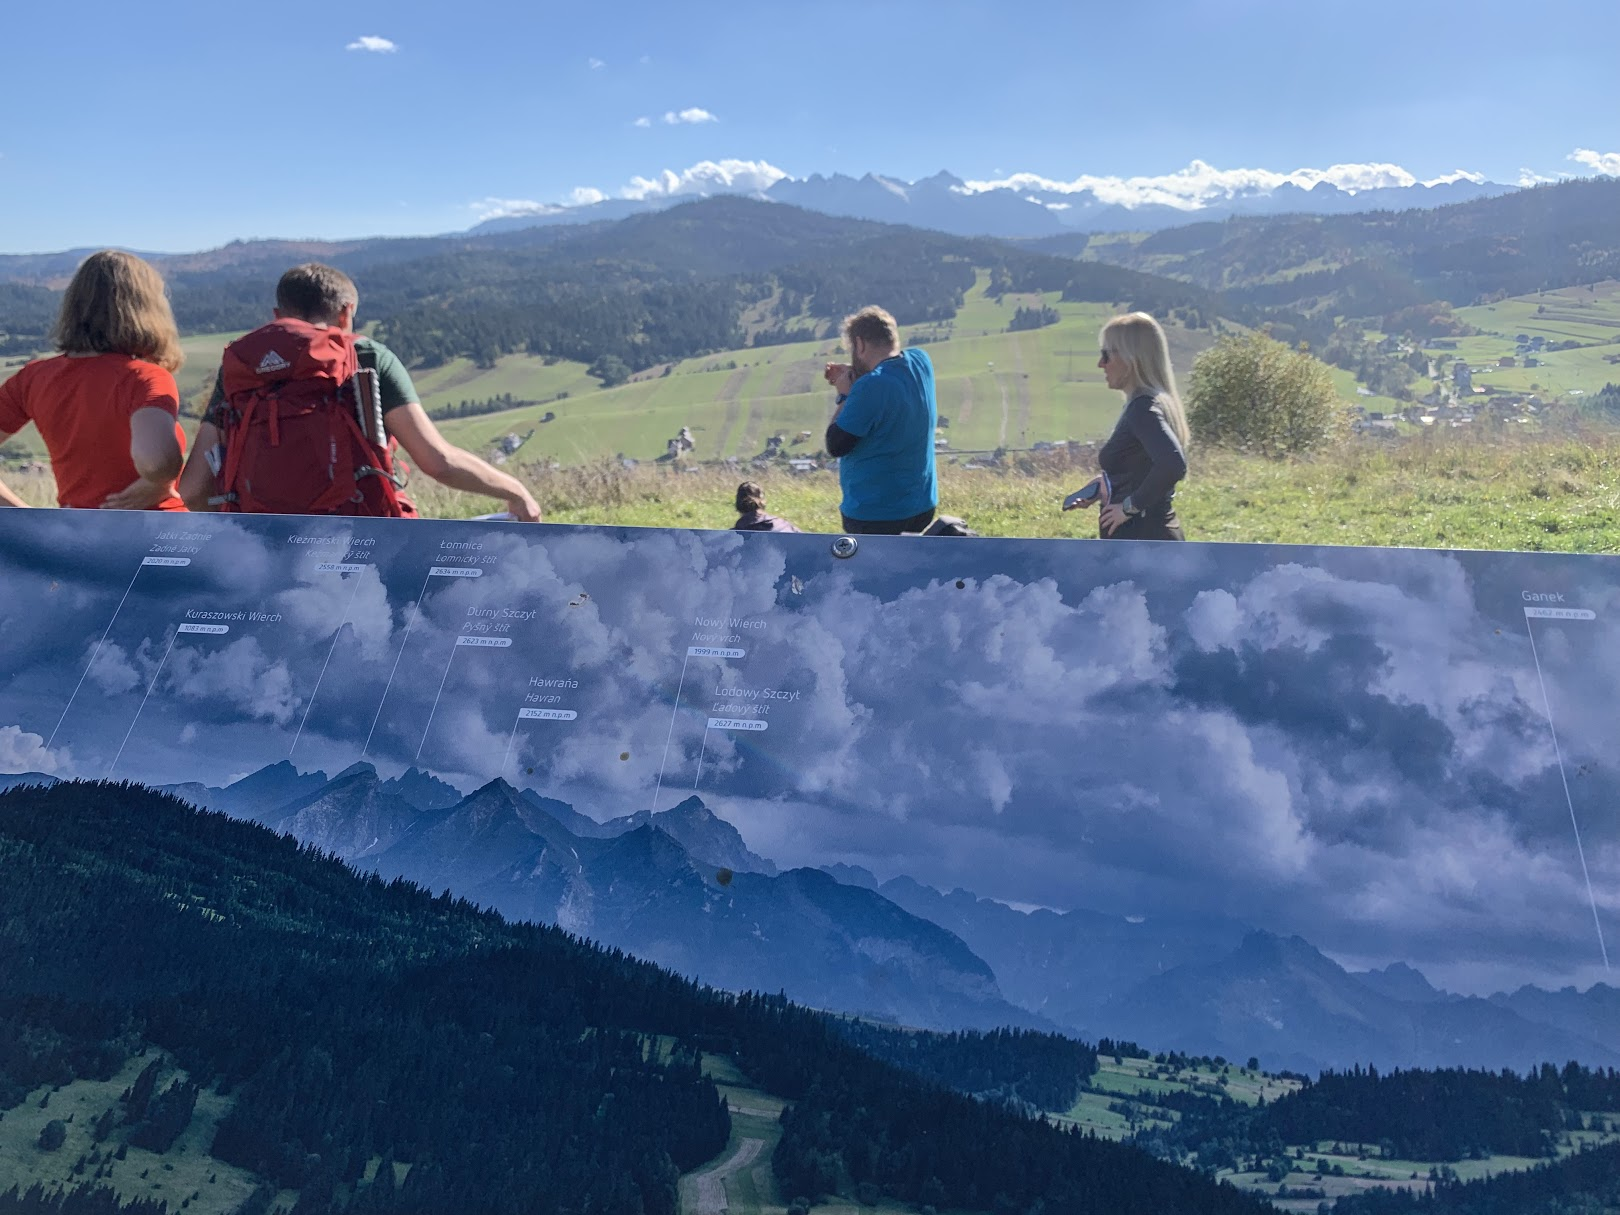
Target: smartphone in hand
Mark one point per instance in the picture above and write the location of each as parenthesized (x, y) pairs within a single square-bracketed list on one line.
[(1093, 491)]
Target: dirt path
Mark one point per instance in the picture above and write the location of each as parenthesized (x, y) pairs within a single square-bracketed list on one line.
[(752, 441), (729, 392), (756, 1111), (799, 377), (1001, 387), (705, 1193), (1021, 384)]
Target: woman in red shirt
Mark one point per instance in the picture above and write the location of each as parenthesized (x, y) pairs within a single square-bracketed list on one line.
[(107, 406)]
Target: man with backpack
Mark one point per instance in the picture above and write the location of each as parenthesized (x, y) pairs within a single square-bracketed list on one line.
[(306, 415)]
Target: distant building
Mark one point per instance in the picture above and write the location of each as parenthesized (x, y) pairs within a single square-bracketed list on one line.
[(1507, 360)]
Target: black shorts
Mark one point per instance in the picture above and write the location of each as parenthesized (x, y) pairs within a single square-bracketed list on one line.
[(890, 527)]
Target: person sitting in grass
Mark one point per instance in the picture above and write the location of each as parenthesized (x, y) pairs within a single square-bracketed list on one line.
[(751, 508)]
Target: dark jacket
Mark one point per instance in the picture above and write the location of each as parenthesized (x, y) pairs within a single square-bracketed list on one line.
[(759, 521), (1144, 460)]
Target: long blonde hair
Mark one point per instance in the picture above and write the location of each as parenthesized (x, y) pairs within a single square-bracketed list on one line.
[(1137, 338), (116, 305)]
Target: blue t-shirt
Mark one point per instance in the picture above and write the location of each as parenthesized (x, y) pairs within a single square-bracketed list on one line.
[(891, 410)]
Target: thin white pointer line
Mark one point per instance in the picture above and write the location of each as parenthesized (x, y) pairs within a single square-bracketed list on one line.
[(507, 758), (310, 704), (95, 655), (137, 716), (428, 729), (416, 610), (1568, 800), (674, 709)]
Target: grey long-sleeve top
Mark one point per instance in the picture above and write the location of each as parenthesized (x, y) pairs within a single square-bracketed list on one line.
[(1143, 457)]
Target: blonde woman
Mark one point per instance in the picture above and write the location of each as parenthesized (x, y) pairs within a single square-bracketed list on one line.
[(1147, 453), (107, 405)]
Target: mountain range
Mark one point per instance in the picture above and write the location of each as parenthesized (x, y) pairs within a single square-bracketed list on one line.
[(681, 887), (947, 203)]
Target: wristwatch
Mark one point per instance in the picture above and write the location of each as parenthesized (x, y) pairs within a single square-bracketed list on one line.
[(1130, 508)]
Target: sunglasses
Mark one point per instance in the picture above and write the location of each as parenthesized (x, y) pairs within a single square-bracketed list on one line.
[(1103, 358)]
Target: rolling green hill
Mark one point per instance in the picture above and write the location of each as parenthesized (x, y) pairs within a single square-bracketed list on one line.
[(995, 389)]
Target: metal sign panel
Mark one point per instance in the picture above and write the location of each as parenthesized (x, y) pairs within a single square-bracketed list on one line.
[(1175, 789)]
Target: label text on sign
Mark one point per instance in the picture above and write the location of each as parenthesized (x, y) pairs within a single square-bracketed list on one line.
[(491, 642), (205, 628), (1539, 613), (737, 723), (547, 714), (709, 651)]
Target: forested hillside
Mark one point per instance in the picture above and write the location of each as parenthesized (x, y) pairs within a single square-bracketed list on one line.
[(707, 276), (1374, 264), (506, 1067)]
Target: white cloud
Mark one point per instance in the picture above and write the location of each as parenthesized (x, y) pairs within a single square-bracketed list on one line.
[(1529, 177), (707, 177), (643, 122), (370, 42), (496, 208), (596, 65), (688, 117), (1606, 163), (21, 751), (585, 196), (1201, 183)]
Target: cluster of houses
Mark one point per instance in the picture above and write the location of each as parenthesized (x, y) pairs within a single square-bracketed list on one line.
[(1463, 401)]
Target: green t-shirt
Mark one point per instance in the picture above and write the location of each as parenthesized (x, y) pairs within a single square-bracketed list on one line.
[(393, 381)]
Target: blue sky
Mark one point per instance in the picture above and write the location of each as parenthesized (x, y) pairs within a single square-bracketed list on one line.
[(173, 126)]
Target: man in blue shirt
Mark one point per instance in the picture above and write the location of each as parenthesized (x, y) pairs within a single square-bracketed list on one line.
[(883, 431)]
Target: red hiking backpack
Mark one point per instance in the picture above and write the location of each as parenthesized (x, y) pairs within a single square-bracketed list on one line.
[(303, 428)]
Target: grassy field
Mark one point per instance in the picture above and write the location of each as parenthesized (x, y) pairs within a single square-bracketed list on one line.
[(995, 389), (1441, 490), (1362, 1169), (1128, 1079), (1588, 315), (1359, 1165), (1540, 492), (184, 1175)]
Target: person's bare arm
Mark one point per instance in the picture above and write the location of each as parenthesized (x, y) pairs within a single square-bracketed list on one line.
[(197, 479), (153, 447), (450, 465), (155, 452), (7, 498)]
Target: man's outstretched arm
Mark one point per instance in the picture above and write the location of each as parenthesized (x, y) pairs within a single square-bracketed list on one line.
[(450, 465)]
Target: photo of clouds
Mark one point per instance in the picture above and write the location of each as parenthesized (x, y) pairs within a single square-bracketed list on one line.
[(1129, 788)]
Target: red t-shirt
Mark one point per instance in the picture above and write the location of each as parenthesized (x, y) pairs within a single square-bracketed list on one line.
[(82, 407)]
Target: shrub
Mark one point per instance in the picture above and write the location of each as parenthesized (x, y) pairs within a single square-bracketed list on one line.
[(1255, 394)]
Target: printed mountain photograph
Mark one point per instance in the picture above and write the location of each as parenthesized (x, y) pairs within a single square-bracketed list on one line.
[(1246, 863)]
